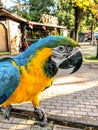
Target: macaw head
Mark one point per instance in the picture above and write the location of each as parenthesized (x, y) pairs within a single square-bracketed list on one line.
[(65, 52)]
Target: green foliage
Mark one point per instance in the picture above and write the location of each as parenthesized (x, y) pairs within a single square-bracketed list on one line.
[(92, 58), (39, 7), (76, 15), (20, 7), (32, 9), (74, 12), (65, 13)]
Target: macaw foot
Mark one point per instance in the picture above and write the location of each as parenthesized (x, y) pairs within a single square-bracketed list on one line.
[(6, 111), (41, 116)]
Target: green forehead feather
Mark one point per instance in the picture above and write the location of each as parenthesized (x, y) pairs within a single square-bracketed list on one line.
[(51, 42), (67, 41), (54, 41)]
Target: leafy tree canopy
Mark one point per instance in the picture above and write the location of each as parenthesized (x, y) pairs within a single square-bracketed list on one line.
[(32, 9), (72, 13)]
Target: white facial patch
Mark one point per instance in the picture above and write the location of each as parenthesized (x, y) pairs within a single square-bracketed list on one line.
[(61, 53)]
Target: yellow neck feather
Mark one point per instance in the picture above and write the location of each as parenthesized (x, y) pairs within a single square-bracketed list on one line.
[(39, 60)]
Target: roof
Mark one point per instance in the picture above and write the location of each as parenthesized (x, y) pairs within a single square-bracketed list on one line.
[(4, 12), (47, 25)]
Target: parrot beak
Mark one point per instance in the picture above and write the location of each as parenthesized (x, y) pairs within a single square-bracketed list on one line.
[(74, 61)]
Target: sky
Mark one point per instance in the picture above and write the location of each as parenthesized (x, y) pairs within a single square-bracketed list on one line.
[(7, 3)]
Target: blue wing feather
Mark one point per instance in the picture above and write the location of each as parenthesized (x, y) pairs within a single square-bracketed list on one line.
[(9, 80)]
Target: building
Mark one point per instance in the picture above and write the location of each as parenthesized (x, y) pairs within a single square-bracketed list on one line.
[(11, 30), (48, 25), (15, 31), (35, 30)]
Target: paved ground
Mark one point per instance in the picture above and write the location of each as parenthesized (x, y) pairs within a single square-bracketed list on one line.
[(88, 50), (74, 96)]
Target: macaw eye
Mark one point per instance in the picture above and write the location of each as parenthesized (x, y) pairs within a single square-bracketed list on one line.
[(61, 49)]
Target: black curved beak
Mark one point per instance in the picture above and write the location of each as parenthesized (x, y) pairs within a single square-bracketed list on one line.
[(75, 62)]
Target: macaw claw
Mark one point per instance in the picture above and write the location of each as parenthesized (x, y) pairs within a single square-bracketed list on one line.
[(6, 112), (41, 116)]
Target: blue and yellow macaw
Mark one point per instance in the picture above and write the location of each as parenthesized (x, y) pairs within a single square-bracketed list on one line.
[(25, 76)]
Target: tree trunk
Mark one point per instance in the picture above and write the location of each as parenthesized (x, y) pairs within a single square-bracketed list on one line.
[(76, 23), (97, 50), (92, 34), (78, 17)]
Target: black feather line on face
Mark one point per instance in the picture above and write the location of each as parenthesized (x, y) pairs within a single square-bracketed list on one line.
[(50, 68)]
